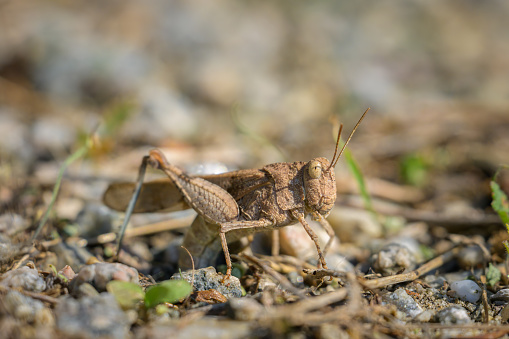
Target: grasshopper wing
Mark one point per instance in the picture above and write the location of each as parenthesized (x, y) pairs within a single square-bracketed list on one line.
[(163, 196), (155, 196)]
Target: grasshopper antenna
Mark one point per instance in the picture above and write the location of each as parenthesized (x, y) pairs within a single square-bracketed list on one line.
[(132, 202), (334, 159), (337, 145)]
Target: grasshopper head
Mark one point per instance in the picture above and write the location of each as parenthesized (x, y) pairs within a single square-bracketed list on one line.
[(320, 180), (320, 186)]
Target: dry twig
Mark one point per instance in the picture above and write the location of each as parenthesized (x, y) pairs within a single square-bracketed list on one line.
[(404, 277)]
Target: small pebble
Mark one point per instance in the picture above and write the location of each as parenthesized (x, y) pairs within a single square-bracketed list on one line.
[(435, 281), (470, 256), (393, 258), (453, 315), (245, 309), (24, 277), (404, 303), (425, 316), (98, 275), (90, 317), (502, 295), (296, 279), (27, 309), (207, 278), (67, 272), (84, 290), (94, 220), (354, 225), (12, 223), (466, 290), (338, 262), (504, 314), (206, 327), (161, 314)]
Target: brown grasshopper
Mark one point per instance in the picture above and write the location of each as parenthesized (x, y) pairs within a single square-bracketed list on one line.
[(235, 204)]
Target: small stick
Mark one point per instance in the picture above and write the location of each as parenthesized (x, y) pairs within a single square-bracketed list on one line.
[(399, 278), (312, 303), (157, 227), (41, 297), (192, 263), (484, 298), (20, 261), (322, 273)]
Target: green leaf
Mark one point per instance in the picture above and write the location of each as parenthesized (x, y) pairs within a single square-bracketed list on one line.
[(56, 274), (126, 293), (493, 275), (414, 170), (427, 252), (500, 203), (53, 269), (169, 291)]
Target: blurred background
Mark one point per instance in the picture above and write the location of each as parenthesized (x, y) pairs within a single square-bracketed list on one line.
[(241, 84)]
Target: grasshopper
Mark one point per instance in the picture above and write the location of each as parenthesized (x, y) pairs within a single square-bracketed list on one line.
[(235, 204)]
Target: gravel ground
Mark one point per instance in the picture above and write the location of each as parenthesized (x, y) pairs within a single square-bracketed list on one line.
[(418, 249)]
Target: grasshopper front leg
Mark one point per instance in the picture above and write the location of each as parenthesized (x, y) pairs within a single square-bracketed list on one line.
[(256, 224), (313, 236)]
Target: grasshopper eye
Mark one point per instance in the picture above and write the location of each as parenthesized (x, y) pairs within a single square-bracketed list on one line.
[(315, 169)]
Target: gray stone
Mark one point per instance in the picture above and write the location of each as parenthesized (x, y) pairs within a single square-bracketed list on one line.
[(453, 315), (94, 220), (27, 309), (98, 316), (404, 303), (392, 258), (204, 328), (245, 309), (25, 277), (470, 256), (466, 290), (502, 295), (99, 274), (207, 278), (11, 224)]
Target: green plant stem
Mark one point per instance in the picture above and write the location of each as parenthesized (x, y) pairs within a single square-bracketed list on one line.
[(82, 151), (359, 178)]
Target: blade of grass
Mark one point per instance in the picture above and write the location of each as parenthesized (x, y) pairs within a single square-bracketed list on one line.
[(81, 152), (361, 183), (115, 117)]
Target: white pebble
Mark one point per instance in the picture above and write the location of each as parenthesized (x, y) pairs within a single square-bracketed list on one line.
[(466, 290)]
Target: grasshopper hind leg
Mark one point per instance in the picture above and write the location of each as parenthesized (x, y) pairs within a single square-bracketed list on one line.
[(132, 202)]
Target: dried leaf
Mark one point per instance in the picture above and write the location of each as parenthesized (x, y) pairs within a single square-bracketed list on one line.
[(211, 296)]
